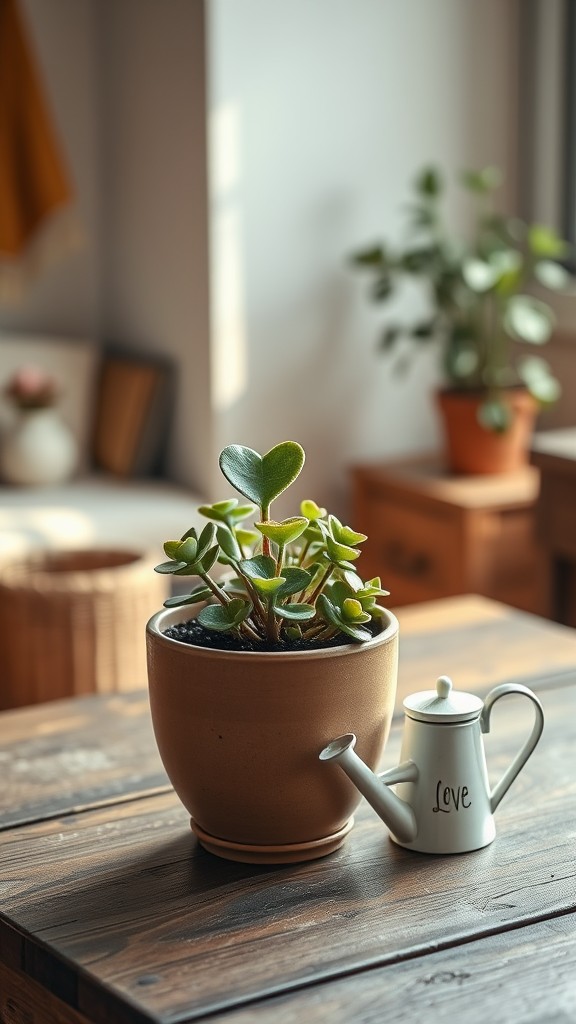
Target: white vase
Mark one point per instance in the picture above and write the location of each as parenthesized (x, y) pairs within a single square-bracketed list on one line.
[(39, 448)]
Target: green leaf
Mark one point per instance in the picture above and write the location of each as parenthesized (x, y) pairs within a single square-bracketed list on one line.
[(382, 287), (482, 181), (494, 415), (340, 553), (311, 510), (188, 550), (331, 615), (479, 275), (260, 567), (172, 566), (285, 532), (529, 319), (552, 275), (246, 537), (539, 380), (353, 611), (424, 330), (206, 540), (429, 183), (228, 543), (261, 478), (268, 587), (344, 534), (389, 337), (207, 561), (371, 257), (228, 512), (543, 241), (222, 618), (296, 612), (200, 594), (172, 547), (295, 580)]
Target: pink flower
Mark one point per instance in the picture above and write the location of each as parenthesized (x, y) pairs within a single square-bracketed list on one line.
[(31, 387)]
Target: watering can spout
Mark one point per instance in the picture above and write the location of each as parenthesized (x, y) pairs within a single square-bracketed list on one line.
[(395, 813)]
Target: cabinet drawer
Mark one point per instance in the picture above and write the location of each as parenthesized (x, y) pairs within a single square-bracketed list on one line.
[(413, 552)]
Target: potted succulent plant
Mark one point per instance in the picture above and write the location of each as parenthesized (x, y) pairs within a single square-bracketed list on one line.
[(481, 306), (255, 670)]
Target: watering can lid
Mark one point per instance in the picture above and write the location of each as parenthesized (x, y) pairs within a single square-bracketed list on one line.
[(443, 704)]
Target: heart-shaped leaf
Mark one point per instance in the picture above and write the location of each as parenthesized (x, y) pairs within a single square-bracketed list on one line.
[(261, 478), (285, 532), (260, 567)]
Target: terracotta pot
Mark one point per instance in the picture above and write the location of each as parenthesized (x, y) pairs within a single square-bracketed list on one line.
[(239, 734), (471, 448)]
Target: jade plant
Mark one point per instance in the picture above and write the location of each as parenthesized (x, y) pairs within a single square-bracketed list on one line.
[(283, 581), (479, 290)]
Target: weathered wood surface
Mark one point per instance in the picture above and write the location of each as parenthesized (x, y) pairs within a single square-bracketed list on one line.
[(72, 755), (478, 643), (121, 916), (69, 755), (526, 974)]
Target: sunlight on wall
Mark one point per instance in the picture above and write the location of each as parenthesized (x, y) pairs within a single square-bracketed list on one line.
[(228, 310)]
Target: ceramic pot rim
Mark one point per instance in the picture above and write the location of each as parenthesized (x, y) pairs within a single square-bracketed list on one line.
[(170, 616)]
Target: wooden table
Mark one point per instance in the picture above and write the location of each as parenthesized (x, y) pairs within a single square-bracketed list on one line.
[(554, 453), (111, 913)]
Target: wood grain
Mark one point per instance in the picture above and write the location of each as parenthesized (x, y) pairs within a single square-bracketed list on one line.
[(133, 918), (23, 1001), (64, 756), (479, 642), (70, 755), (527, 974)]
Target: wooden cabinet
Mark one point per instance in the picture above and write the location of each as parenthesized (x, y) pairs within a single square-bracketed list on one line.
[(433, 535), (554, 453)]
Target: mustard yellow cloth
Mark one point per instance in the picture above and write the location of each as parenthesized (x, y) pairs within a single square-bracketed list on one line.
[(34, 182)]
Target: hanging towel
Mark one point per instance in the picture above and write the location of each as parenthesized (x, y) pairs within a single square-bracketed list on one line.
[(35, 189)]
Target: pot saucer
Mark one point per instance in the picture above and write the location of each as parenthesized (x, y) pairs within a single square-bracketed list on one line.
[(285, 853)]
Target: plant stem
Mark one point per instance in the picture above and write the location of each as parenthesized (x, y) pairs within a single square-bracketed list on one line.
[(265, 518), (319, 587)]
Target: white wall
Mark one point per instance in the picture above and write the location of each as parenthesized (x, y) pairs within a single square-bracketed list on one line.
[(65, 300), (154, 194), (321, 113)]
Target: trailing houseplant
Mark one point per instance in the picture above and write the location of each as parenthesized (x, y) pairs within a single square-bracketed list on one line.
[(479, 291), (286, 648)]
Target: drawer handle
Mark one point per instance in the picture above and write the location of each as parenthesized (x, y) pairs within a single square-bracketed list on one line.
[(406, 562)]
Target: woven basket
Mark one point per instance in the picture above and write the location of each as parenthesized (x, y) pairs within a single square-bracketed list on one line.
[(74, 623)]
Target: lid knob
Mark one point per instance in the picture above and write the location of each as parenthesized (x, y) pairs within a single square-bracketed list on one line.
[(443, 687)]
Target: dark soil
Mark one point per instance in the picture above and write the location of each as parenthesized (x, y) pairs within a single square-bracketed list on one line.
[(192, 632)]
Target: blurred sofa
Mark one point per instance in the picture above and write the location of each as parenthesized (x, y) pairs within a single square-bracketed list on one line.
[(117, 408)]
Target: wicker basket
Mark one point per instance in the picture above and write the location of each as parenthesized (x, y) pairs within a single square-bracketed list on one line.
[(74, 623)]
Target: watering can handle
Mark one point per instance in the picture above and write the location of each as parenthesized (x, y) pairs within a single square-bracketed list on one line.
[(522, 756)]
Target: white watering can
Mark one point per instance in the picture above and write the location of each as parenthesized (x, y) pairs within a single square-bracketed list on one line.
[(442, 802)]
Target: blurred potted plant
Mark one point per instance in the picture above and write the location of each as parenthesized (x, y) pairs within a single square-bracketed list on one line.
[(284, 653), (480, 308)]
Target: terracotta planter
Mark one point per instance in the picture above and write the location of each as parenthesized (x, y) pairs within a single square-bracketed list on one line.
[(471, 448), (240, 733)]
